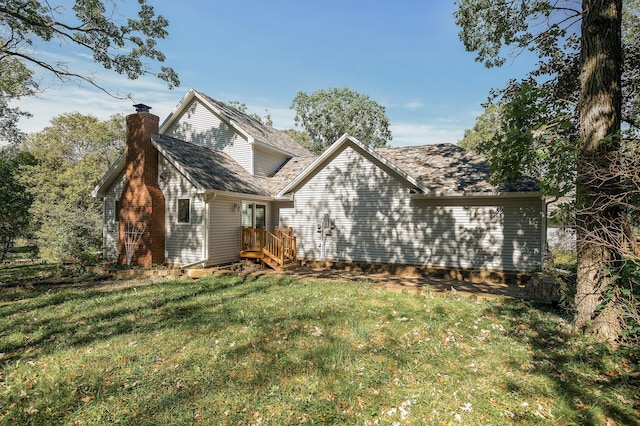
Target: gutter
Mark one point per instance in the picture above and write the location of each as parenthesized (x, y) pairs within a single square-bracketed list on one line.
[(458, 195)]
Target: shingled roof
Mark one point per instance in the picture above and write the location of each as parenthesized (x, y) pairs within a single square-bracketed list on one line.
[(448, 169), (442, 169), (208, 169), (289, 171), (260, 132)]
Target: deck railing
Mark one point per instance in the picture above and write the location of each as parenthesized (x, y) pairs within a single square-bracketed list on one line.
[(253, 239), (280, 247)]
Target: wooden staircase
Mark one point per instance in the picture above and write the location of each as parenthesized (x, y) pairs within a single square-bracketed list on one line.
[(277, 250)]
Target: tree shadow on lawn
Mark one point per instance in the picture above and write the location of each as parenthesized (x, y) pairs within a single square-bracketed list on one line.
[(590, 377), (80, 313)]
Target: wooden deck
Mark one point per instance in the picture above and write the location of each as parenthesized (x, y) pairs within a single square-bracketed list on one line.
[(277, 250)]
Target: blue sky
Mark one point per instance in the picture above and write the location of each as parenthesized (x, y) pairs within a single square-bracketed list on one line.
[(405, 55)]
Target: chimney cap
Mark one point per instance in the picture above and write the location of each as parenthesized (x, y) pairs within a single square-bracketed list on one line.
[(142, 108)]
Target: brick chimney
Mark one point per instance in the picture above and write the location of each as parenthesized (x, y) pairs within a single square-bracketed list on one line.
[(142, 204)]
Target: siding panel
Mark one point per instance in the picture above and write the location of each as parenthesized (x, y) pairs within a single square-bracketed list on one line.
[(376, 221), (224, 230), (267, 162), (201, 126), (183, 241)]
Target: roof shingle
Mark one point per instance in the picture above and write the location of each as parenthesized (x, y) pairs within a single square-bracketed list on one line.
[(209, 169), (260, 132), (448, 169)]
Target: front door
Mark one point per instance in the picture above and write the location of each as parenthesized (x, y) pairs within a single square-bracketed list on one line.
[(254, 215)]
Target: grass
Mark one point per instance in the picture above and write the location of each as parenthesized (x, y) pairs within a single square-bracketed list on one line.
[(273, 350)]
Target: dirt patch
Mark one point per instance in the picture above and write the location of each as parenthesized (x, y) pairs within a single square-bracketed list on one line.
[(416, 284)]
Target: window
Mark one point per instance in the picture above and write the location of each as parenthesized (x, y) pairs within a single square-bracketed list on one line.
[(116, 211), (254, 215), (261, 216), (184, 210), (247, 215)]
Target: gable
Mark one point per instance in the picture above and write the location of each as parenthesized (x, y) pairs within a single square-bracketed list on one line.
[(217, 120), (198, 124), (354, 178), (354, 145)]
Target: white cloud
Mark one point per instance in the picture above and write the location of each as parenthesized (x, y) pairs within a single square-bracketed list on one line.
[(406, 134), (71, 97)]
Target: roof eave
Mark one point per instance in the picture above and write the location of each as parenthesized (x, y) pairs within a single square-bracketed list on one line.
[(493, 194), (265, 145), (109, 177), (216, 192)]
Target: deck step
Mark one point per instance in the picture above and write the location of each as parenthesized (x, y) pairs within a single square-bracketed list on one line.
[(276, 266), (251, 254)]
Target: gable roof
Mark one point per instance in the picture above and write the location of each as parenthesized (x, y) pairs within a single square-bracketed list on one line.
[(337, 147), (244, 124), (208, 169), (447, 169), (432, 170)]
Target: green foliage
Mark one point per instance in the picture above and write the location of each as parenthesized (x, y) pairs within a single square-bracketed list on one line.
[(486, 128), (72, 155), (487, 27), (15, 82), (328, 114), (626, 296), (15, 200), (97, 27), (534, 139), (300, 136)]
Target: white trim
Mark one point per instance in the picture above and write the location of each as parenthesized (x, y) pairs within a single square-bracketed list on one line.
[(178, 221), (205, 228), (242, 195), (260, 144), (441, 195)]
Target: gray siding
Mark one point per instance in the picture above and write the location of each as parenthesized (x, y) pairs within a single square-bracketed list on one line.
[(266, 162), (110, 230), (224, 230), (201, 126), (184, 242), (376, 221), (281, 214)]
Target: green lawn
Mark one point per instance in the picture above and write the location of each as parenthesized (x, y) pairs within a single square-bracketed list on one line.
[(230, 350)]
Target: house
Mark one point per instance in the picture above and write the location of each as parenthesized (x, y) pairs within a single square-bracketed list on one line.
[(201, 189)]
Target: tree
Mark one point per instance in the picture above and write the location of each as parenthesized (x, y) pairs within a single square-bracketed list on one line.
[(486, 127), (16, 82), (15, 200), (93, 26), (328, 114), (301, 137), (242, 107), (72, 155), (594, 52)]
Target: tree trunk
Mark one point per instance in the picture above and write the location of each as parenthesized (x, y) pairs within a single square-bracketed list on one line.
[(599, 218)]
